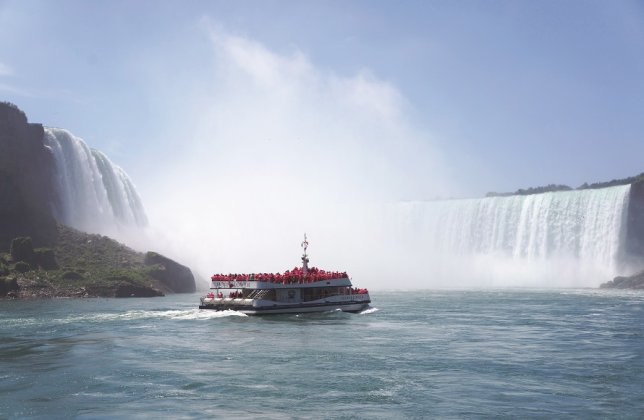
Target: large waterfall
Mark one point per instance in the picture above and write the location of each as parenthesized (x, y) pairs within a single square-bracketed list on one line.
[(94, 194), (572, 238)]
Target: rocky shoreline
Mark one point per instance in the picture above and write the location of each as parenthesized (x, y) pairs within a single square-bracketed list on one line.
[(635, 281), (83, 265), (40, 286)]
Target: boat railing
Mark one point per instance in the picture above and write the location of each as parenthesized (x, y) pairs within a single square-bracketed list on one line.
[(258, 294)]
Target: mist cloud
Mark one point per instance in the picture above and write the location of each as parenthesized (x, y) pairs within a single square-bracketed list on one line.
[(272, 146), (278, 147)]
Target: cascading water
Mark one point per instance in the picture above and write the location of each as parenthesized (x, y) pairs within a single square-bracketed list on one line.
[(121, 193), (94, 194), (572, 238)]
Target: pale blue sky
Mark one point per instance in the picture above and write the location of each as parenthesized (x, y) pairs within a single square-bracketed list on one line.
[(507, 94)]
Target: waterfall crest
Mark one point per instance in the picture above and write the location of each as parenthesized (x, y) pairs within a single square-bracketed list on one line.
[(94, 194)]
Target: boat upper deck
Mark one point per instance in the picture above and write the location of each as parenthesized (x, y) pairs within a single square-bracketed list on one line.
[(304, 277)]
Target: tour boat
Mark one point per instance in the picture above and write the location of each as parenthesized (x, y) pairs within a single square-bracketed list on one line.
[(302, 289)]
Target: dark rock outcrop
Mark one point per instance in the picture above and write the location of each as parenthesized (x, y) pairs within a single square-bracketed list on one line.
[(72, 275), (630, 282), (177, 277), (8, 286), (21, 267), (22, 249), (635, 221), (4, 267), (123, 287), (46, 258), (131, 290)]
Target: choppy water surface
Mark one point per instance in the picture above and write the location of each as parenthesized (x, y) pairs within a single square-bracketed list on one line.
[(415, 354)]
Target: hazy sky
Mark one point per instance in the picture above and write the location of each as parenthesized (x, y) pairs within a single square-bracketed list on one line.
[(508, 94)]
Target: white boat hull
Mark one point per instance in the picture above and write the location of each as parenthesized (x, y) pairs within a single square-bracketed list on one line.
[(292, 308)]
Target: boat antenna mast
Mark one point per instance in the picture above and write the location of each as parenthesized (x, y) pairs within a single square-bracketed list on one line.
[(305, 257)]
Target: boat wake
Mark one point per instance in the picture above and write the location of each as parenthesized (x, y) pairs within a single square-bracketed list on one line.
[(321, 314), (369, 310), (205, 314), (190, 314)]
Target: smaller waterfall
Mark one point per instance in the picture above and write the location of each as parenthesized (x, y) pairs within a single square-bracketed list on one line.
[(94, 194)]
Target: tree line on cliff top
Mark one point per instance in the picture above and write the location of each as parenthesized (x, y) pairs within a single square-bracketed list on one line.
[(561, 187)]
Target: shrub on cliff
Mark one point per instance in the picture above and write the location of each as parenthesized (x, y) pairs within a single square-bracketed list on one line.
[(21, 267), (72, 275), (46, 259), (22, 250)]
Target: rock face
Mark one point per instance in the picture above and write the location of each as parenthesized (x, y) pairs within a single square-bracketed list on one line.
[(631, 282), (123, 289), (8, 286), (635, 221), (130, 290), (26, 179), (174, 275)]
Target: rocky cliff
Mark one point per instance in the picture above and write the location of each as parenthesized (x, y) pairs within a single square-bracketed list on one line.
[(174, 275), (26, 180), (48, 258), (635, 221), (626, 282), (88, 265), (634, 240)]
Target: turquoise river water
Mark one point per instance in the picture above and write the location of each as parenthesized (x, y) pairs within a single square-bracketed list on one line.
[(414, 354)]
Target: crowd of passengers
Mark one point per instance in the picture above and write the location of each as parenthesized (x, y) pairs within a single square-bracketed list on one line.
[(220, 295), (296, 275)]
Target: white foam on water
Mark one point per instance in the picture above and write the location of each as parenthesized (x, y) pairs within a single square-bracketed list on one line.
[(191, 314), (207, 314), (369, 311)]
